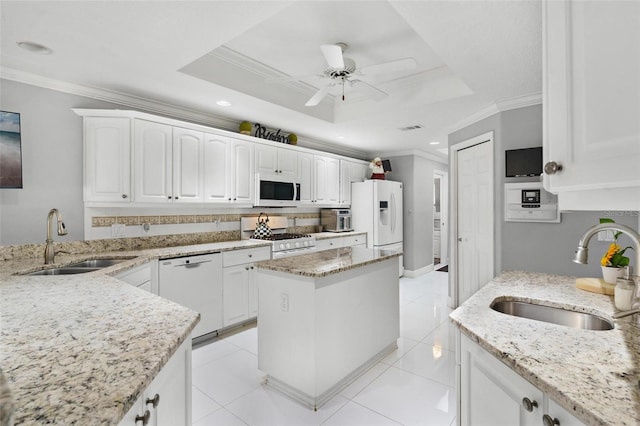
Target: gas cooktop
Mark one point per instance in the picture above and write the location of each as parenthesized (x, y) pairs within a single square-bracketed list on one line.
[(284, 236)]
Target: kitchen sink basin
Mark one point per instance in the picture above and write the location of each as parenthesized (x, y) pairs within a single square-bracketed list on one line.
[(97, 263), (63, 271), (552, 315)]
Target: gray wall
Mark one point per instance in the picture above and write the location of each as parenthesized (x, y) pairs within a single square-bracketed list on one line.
[(416, 173), (51, 163), (540, 247)]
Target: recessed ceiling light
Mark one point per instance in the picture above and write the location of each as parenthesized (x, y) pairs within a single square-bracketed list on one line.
[(224, 103), (434, 143), (339, 137), (35, 47)]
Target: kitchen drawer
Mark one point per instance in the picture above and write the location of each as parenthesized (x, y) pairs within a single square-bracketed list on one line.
[(354, 240), (328, 243), (239, 257)]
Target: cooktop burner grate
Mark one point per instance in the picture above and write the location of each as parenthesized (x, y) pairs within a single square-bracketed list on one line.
[(278, 237)]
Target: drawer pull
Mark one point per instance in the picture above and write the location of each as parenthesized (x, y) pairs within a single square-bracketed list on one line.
[(144, 418), (548, 421), (155, 401), (528, 404)]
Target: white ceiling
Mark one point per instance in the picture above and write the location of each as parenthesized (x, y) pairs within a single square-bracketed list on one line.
[(470, 55)]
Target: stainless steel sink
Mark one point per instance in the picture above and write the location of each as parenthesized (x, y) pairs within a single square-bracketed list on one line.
[(63, 271), (97, 263), (552, 315)]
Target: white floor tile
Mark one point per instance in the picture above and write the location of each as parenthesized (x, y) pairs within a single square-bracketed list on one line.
[(201, 405), (247, 340), (430, 362), (409, 399), (265, 406), (229, 377), (404, 345), (353, 414), (363, 381), (211, 352), (220, 418), (444, 336)]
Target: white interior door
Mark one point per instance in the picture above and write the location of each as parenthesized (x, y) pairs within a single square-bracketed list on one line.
[(474, 219)]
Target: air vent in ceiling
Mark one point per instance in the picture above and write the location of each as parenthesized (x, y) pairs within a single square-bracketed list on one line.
[(408, 128)]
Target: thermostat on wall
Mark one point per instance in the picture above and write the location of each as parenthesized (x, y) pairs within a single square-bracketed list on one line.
[(529, 202)]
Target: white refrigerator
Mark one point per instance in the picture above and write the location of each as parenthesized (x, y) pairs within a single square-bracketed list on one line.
[(376, 208)]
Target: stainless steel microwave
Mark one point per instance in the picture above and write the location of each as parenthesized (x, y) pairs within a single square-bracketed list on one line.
[(273, 190)]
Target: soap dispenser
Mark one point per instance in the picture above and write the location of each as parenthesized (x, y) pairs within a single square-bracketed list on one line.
[(624, 290)]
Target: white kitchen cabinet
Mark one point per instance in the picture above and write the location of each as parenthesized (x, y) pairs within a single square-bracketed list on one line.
[(274, 160), (141, 276), (187, 166), (240, 293), (341, 241), (493, 394), (350, 172), (107, 154), (170, 390), (319, 178), (152, 157), (591, 109), (228, 170)]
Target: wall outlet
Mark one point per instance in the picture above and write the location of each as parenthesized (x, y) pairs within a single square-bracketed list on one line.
[(284, 302), (117, 230)]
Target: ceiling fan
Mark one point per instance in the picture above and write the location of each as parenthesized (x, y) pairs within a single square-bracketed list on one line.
[(343, 70)]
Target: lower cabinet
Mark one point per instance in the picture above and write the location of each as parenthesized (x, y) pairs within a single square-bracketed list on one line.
[(341, 241), (240, 292), (493, 394), (167, 399), (141, 276)]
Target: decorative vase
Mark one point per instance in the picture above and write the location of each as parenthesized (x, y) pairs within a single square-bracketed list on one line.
[(610, 274)]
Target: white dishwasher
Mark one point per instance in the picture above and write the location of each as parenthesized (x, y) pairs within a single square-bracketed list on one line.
[(195, 282)]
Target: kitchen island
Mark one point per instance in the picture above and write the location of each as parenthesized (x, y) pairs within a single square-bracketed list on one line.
[(325, 318), (594, 375)]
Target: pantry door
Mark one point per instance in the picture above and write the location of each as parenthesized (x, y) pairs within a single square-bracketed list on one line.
[(472, 262)]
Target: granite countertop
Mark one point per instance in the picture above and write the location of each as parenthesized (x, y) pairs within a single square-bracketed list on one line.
[(327, 262), (593, 374), (80, 349)]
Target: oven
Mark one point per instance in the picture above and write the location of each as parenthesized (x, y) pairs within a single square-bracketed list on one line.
[(283, 243)]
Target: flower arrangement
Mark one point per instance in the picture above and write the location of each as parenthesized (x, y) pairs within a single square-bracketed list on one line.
[(614, 257)]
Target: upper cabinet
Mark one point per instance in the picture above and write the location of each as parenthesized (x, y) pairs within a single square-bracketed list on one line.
[(107, 170), (350, 171), (281, 161), (591, 88), (152, 156), (228, 170), (319, 178)]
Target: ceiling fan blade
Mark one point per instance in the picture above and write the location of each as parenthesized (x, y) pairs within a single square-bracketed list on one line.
[(388, 67), (318, 96), (291, 78), (369, 90), (333, 55)]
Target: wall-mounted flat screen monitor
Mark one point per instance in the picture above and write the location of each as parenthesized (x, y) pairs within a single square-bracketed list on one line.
[(523, 162)]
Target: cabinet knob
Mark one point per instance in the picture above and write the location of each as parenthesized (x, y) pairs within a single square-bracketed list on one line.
[(229, 199), (175, 198), (528, 404), (252, 267), (548, 421), (155, 401), (144, 418), (169, 197), (124, 195), (250, 255), (551, 168)]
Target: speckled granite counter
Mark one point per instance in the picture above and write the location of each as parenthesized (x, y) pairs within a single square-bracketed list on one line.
[(80, 349), (328, 235), (593, 374), (327, 262)]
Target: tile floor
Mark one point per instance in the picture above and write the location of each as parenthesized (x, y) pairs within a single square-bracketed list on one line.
[(415, 385)]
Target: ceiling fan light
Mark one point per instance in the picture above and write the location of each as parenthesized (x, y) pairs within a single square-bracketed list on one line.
[(35, 47)]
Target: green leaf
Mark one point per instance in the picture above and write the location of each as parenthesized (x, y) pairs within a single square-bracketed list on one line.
[(606, 220)]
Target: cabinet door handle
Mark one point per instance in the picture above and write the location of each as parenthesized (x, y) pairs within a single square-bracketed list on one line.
[(124, 195), (144, 418), (551, 168), (548, 421), (169, 197), (155, 401), (528, 404)]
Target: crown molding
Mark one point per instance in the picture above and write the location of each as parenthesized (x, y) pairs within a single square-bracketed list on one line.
[(166, 110), (418, 153), (520, 101)]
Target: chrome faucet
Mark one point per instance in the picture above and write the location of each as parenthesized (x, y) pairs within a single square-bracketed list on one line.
[(49, 252), (582, 254)]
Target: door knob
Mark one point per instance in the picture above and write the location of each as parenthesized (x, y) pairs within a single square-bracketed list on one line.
[(551, 168)]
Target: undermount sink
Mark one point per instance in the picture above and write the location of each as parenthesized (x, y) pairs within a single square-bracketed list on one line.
[(96, 263), (63, 271), (552, 315), (81, 267)]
